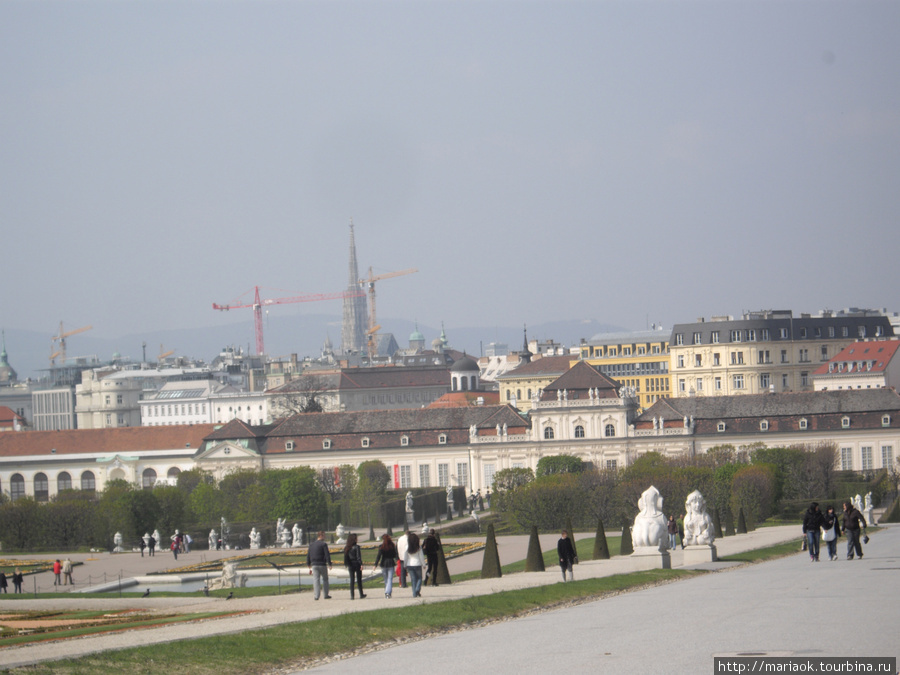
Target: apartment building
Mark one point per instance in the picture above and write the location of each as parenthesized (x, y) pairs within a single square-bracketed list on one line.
[(637, 359)]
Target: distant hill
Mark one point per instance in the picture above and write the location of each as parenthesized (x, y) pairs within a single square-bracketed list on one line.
[(305, 335)]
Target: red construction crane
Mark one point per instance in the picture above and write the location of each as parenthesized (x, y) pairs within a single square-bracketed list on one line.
[(258, 304)]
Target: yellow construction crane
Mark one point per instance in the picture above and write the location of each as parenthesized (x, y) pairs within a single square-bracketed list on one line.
[(60, 338), (163, 354), (369, 284)]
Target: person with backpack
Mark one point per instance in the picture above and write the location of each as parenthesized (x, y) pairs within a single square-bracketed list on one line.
[(853, 523)]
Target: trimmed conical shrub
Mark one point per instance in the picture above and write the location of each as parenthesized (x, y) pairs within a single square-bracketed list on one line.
[(729, 523), (490, 568), (571, 535), (717, 523), (601, 548), (626, 547), (534, 561), (742, 522), (449, 512), (437, 517), (442, 574), (892, 515)]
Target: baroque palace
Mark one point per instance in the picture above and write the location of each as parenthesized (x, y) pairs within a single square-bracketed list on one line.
[(582, 412)]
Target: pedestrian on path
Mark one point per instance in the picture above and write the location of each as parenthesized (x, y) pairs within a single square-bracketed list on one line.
[(852, 521), (672, 528), (430, 548), (151, 545), (566, 553), (18, 578), (57, 571), (387, 558), (3, 583), (353, 562), (318, 559), (175, 548), (67, 572), (402, 543), (831, 528), (812, 521), (415, 563)]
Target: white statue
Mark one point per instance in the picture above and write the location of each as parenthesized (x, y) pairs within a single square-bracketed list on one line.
[(229, 578), (296, 535), (224, 531), (341, 533), (699, 529), (409, 502), (868, 501), (255, 538), (450, 495), (650, 524), (146, 540), (158, 540), (857, 503), (117, 540), (213, 539)]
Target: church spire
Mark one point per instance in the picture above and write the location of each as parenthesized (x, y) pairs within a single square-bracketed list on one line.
[(526, 354), (353, 328)]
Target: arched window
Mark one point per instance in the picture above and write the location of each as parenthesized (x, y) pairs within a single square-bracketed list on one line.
[(548, 433), (609, 430), (41, 487), (453, 384), (509, 394), (88, 482), (148, 478), (464, 381), (63, 481), (17, 486), (173, 473), (518, 394), (579, 431)]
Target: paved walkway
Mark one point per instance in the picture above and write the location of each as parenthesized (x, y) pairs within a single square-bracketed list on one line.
[(786, 607), (273, 610)]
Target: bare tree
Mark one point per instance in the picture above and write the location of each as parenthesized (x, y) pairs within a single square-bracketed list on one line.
[(305, 394)]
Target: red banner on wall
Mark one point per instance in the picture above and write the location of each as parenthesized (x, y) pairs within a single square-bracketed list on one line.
[(396, 476)]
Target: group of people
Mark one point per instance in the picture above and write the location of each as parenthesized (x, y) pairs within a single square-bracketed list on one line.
[(17, 579), (62, 573), (409, 556), (830, 526)]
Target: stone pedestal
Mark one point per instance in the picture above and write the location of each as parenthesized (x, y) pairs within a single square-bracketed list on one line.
[(694, 555), (648, 558)]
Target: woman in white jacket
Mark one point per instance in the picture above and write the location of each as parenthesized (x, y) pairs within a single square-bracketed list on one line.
[(415, 562)]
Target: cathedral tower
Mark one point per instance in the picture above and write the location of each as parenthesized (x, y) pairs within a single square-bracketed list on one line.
[(353, 328)]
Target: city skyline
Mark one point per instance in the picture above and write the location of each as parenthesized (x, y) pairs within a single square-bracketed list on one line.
[(629, 163)]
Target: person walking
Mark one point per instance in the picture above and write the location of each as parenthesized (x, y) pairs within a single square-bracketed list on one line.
[(67, 572), (852, 519), (387, 558), (143, 545), (430, 548), (57, 571), (151, 545), (318, 559), (353, 562), (415, 563), (812, 521), (402, 543), (831, 528), (17, 578), (566, 553), (3, 583), (672, 529)]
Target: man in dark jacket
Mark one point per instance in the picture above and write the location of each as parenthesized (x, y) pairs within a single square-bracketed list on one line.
[(812, 521), (566, 553), (318, 559), (430, 548), (852, 520)]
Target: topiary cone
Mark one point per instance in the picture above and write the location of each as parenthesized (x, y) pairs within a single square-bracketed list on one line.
[(443, 574), (717, 523), (601, 548), (490, 567), (729, 523), (626, 547), (893, 514), (571, 535), (742, 522), (534, 561)]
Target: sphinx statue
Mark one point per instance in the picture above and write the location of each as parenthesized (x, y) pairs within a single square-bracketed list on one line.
[(650, 524), (699, 529), (341, 534)]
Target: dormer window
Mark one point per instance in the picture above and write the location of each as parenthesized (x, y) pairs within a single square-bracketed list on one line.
[(804, 424), (442, 439), (404, 440), (289, 446), (845, 422), (764, 425), (365, 442), (885, 420), (326, 444), (720, 427)]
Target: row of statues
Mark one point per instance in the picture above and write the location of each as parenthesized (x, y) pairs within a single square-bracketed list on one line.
[(650, 528), (284, 537)]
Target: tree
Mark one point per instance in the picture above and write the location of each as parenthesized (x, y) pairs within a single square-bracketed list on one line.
[(207, 503), (338, 482), (373, 478), (304, 394), (510, 479), (299, 497), (173, 508), (753, 491), (554, 464), (191, 478)]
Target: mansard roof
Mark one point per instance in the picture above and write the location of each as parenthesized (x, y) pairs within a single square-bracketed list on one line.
[(103, 441), (579, 379), (860, 357), (394, 376), (236, 429)]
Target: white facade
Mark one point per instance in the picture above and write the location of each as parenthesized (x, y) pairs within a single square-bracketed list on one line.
[(107, 402)]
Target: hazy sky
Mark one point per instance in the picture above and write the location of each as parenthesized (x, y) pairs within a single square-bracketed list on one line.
[(620, 161)]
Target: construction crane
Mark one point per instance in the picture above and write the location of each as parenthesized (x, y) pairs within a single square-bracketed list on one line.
[(258, 304), (163, 354), (369, 283), (60, 338)]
